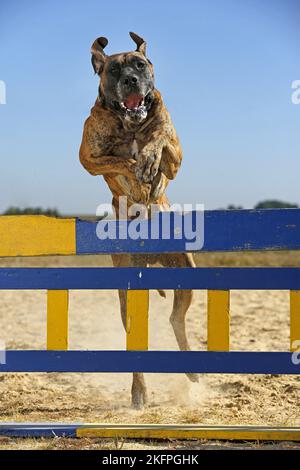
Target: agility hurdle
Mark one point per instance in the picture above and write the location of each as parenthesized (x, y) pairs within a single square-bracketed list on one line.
[(224, 231)]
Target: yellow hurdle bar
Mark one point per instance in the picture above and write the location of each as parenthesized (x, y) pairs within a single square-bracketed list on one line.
[(57, 319), (168, 431), (218, 320), (294, 320), (137, 320), (33, 235)]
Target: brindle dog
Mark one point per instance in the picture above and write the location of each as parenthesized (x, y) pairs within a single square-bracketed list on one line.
[(129, 138)]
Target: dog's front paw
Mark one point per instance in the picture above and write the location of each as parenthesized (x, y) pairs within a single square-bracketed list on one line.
[(146, 169)]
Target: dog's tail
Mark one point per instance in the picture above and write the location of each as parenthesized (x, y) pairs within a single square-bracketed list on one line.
[(162, 293)]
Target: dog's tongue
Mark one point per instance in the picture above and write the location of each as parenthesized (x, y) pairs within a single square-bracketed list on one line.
[(133, 101)]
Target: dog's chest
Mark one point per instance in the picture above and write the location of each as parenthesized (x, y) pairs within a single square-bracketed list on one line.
[(134, 150), (124, 181)]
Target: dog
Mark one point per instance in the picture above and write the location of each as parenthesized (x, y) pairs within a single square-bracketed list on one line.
[(130, 140)]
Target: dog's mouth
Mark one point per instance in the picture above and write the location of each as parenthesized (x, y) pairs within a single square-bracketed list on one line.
[(134, 105), (134, 108), (133, 102)]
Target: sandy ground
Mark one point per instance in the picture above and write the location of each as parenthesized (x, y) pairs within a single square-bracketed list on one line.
[(259, 321)]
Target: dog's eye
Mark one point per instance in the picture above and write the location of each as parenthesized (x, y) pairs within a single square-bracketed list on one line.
[(114, 70), (141, 65)]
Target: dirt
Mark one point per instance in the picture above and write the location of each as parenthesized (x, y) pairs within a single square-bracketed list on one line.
[(259, 322)]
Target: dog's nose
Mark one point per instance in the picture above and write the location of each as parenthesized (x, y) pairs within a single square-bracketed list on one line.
[(130, 80)]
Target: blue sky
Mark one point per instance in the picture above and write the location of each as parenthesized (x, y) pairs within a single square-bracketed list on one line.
[(224, 67)]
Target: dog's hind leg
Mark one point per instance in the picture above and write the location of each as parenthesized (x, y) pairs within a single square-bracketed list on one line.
[(138, 388), (181, 303)]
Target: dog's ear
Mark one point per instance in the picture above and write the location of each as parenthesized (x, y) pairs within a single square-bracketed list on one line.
[(98, 55), (140, 43)]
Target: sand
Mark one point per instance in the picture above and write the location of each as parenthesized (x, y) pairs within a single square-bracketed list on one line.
[(259, 322)]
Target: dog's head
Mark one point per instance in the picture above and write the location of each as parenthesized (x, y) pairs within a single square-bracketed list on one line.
[(126, 79)]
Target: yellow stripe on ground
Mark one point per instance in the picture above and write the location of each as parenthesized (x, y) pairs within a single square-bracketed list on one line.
[(137, 320), (57, 319), (31, 235), (218, 320), (191, 432), (295, 320)]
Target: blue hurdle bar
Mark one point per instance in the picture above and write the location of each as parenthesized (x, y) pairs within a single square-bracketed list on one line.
[(233, 362), (231, 230), (150, 278)]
